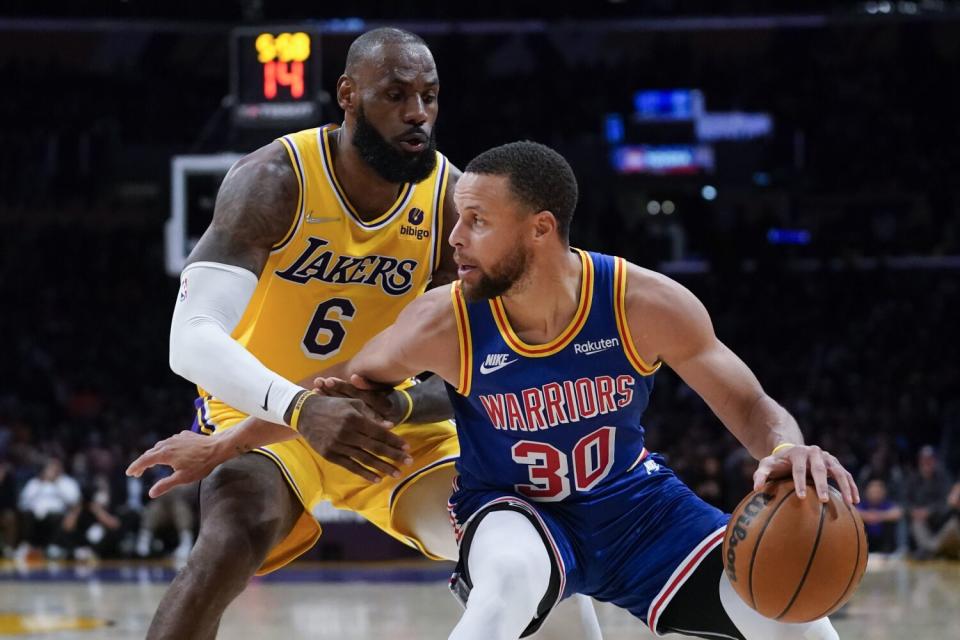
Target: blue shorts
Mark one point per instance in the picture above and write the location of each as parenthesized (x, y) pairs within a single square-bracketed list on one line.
[(632, 542)]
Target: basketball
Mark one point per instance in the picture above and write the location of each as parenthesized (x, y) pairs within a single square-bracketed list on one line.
[(794, 560)]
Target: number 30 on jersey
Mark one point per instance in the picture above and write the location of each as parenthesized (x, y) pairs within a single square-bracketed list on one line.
[(549, 468)]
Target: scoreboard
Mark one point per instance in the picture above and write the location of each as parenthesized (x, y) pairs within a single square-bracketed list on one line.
[(275, 76)]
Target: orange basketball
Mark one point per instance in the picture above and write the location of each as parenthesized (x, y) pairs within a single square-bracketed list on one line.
[(794, 560)]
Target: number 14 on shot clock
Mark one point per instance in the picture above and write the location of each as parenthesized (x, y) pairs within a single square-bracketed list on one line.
[(283, 57)]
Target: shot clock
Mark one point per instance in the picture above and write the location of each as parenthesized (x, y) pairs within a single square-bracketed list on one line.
[(275, 76)]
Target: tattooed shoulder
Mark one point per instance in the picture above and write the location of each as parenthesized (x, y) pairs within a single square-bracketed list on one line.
[(254, 209)]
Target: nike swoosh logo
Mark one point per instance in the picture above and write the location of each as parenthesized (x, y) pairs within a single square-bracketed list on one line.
[(266, 397), (311, 219), (484, 369)]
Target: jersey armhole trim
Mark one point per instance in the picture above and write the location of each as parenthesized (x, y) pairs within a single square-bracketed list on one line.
[(623, 327), (294, 155), (439, 199), (464, 339)]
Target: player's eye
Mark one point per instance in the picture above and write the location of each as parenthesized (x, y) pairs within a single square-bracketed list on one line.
[(394, 96), (430, 98)]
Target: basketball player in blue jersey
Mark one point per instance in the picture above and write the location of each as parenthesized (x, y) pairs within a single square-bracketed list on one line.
[(317, 242), (549, 353)]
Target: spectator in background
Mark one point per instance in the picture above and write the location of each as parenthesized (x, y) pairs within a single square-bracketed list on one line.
[(880, 517), (172, 509), (943, 539), (933, 507), (707, 481), (126, 502), (739, 469), (883, 466), (93, 530), (8, 510), (45, 502)]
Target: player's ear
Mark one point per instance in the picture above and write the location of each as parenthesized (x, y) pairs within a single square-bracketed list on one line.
[(544, 223), (346, 93)]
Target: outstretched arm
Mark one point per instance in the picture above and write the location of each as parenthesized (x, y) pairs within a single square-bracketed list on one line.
[(193, 456), (426, 401), (422, 403), (423, 339), (670, 324)]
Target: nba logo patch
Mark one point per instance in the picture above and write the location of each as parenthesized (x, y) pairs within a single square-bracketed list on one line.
[(183, 290), (651, 466), (415, 216)]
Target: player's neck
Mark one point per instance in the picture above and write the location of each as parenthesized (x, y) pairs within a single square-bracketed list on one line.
[(543, 304), (367, 191)]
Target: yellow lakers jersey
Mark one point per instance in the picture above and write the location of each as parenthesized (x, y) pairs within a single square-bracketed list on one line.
[(335, 280)]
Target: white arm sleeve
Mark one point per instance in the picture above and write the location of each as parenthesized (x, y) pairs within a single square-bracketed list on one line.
[(211, 301)]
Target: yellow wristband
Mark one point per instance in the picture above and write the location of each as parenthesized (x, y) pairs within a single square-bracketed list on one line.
[(782, 446), (295, 416), (406, 416)]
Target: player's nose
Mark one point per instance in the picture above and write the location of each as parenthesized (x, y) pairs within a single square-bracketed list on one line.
[(415, 112), (456, 234)]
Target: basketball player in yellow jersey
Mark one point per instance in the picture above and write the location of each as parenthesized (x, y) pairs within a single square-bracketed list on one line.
[(318, 241)]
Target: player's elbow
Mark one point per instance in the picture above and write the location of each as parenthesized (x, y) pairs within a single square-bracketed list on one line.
[(178, 363), (186, 342), (179, 360)]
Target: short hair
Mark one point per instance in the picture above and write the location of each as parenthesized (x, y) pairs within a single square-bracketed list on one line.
[(361, 48), (538, 176)]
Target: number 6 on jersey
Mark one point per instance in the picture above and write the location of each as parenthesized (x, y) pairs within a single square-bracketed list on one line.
[(328, 323)]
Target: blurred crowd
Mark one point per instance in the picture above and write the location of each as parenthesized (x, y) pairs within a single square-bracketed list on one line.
[(861, 358), (86, 388)]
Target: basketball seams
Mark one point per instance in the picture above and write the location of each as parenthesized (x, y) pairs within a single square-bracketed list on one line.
[(806, 572), (756, 547), (856, 566)]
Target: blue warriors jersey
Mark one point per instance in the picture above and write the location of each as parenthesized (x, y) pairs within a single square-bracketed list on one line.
[(552, 422), (553, 431)]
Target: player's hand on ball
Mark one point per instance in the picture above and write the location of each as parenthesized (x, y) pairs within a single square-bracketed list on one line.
[(800, 459), (191, 455), (385, 400), (350, 434)]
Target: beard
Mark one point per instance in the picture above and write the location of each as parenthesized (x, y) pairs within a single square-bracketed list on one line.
[(392, 164), (496, 283)]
